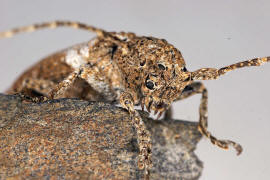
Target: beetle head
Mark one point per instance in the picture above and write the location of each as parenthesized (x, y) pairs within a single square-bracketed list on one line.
[(164, 73)]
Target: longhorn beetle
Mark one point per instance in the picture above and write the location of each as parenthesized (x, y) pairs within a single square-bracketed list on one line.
[(123, 68)]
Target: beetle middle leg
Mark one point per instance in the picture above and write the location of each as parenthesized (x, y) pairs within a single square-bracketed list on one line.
[(33, 89)]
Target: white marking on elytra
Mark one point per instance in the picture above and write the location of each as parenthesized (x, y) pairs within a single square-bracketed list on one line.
[(84, 51), (74, 59), (77, 56)]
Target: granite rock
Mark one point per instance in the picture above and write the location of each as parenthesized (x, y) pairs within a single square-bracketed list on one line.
[(76, 139)]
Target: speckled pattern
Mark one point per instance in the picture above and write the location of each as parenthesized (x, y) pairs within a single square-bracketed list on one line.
[(76, 139), (129, 69)]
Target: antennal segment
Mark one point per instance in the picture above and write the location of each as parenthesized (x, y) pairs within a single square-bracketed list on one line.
[(213, 73), (52, 25)]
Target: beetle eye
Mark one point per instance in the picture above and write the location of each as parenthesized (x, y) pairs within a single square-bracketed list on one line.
[(150, 85), (184, 69), (142, 63), (161, 66)]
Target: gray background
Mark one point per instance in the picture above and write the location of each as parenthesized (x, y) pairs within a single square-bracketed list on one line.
[(208, 33)]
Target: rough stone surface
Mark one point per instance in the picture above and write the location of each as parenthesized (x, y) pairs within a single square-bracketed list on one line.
[(75, 139)]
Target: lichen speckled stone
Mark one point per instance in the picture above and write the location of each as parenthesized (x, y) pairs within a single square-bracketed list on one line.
[(75, 139)]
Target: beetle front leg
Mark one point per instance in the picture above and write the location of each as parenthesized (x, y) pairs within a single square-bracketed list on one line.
[(143, 135), (198, 88)]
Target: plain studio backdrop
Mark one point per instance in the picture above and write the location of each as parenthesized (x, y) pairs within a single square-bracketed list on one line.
[(209, 33)]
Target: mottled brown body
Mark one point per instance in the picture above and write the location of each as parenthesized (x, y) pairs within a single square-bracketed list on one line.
[(113, 65), (52, 70), (127, 69)]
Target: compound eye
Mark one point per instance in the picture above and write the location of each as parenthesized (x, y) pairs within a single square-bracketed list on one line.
[(184, 69), (150, 85), (142, 63), (161, 66)]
